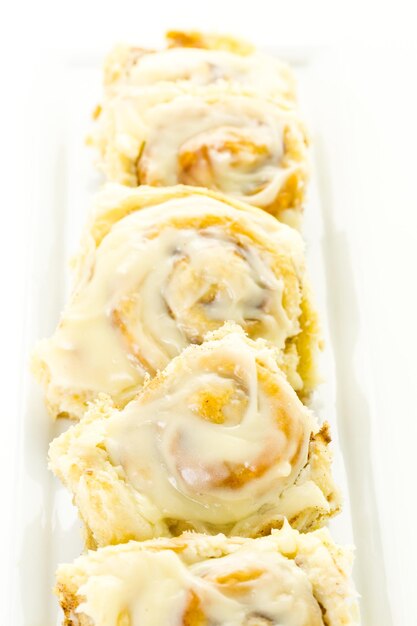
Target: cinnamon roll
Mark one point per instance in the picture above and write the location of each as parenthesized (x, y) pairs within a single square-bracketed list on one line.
[(158, 269), (246, 146), (285, 579), (217, 442), (195, 59)]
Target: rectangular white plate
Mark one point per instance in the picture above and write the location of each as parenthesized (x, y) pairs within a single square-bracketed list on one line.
[(48, 530)]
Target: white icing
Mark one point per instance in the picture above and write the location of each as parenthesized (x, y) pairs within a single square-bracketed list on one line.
[(245, 146), (259, 73), (159, 281), (214, 442), (251, 586)]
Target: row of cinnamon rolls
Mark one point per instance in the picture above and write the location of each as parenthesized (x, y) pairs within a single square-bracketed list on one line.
[(187, 353)]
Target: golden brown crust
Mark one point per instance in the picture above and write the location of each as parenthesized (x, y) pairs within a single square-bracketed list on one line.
[(197, 39), (70, 601)]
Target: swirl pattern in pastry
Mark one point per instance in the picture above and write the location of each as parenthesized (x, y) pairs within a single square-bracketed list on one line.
[(217, 442), (244, 145), (285, 579), (161, 267)]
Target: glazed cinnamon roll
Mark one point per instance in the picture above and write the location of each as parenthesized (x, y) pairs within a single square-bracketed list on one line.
[(285, 579), (195, 59), (243, 145), (217, 442), (158, 269)]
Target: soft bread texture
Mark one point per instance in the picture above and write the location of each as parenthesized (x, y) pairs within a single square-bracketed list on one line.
[(286, 579), (217, 442), (207, 111), (158, 269)]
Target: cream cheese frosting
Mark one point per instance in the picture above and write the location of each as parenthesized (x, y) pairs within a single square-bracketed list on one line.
[(277, 589), (172, 265), (284, 579), (254, 73), (250, 444)]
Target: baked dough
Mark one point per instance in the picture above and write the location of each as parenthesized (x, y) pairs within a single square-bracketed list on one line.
[(217, 442), (158, 269), (286, 579)]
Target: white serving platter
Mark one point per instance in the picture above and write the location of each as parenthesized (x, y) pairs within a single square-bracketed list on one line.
[(47, 530)]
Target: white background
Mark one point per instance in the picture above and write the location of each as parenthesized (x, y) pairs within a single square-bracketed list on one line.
[(378, 64)]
